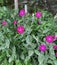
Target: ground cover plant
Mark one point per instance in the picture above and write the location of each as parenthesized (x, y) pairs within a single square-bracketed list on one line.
[(27, 39)]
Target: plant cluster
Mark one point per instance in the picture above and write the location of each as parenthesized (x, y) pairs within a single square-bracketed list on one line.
[(27, 39)]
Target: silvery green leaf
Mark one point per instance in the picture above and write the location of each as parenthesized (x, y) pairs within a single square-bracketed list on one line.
[(51, 52), (7, 53), (18, 62), (8, 20), (26, 60), (10, 59), (22, 56), (7, 43), (28, 30), (33, 45), (1, 36), (37, 52), (55, 62), (50, 61), (28, 39), (45, 31), (2, 48), (5, 9), (41, 59), (36, 38), (46, 58), (30, 52), (13, 56), (14, 52)]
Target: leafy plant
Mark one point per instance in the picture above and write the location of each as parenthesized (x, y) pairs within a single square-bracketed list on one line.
[(21, 36)]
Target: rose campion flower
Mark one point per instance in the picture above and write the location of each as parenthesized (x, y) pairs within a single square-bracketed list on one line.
[(15, 22), (22, 12), (4, 23), (42, 48), (55, 37), (49, 39), (38, 14), (56, 54), (20, 29), (55, 47)]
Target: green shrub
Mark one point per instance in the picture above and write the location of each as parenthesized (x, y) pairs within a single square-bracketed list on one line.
[(22, 49)]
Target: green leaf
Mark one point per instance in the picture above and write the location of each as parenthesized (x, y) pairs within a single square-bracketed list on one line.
[(37, 52), (26, 60), (28, 39), (41, 59), (18, 62), (50, 61), (13, 56), (51, 52), (55, 62), (14, 52), (7, 43), (10, 60), (30, 52), (1, 36), (36, 38)]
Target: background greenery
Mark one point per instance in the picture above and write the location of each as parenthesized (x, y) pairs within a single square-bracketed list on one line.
[(50, 5)]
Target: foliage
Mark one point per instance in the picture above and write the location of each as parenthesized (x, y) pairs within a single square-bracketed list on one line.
[(6, 2), (22, 49)]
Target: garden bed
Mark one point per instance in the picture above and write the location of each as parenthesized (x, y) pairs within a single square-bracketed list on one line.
[(27, 39)]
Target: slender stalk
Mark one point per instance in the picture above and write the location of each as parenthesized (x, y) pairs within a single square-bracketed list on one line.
[(26, 8), (16, 5)]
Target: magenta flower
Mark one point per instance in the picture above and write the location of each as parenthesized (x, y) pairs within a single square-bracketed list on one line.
[(49, 38), (15, 22), (38, 14), (22, 12), (56, 54), (55, 47), (42, 48), (20, 29), (55, 37), (4, 23)]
